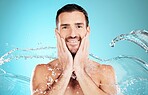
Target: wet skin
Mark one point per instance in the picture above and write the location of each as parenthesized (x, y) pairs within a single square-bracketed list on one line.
[(49, 74), (73, 72)]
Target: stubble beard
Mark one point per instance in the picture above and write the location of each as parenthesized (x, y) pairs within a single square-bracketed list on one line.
[(78, 38)]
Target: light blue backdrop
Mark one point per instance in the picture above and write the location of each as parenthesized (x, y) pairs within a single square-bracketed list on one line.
[(25, 23)]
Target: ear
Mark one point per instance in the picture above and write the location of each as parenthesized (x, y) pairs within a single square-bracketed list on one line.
[(56, 30), (88, 29)]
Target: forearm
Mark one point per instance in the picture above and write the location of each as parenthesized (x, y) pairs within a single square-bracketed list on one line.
[(59, 87), (87, 84)]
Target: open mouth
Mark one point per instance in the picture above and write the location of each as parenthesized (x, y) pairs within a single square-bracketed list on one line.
[(73, 40)]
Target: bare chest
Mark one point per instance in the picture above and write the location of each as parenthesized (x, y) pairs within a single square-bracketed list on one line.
[(73, 88)]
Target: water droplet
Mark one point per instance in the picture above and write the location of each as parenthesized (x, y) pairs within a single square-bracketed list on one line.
[(56, 80), (53, 73), (50, 81), (50, 69), (68, 87), (77, 92)]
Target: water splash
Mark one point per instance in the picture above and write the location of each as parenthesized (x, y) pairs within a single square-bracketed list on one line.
[(2, 60), (134, 86), (7, 57), (129, 81), (10, 75), (138, 60), (139, 37)]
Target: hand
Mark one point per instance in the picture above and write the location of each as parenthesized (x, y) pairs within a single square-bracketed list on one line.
[(65, 57), (81, 57)]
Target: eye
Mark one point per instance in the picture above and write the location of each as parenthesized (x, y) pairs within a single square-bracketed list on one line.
[(64, 27), (79, 26)]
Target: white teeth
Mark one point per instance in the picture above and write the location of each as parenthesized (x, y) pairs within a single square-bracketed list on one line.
[(72, 41)]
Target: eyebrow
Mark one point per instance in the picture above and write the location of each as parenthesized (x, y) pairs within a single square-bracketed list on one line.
[(79, 23), (65, 25), (69, 24)]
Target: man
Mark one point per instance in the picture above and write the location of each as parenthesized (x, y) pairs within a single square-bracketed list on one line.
[(73, 72)]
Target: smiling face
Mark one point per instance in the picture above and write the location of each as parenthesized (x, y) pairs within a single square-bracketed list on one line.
[(72, 27)]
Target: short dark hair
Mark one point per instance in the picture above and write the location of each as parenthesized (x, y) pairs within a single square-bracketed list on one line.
[(71, 8)]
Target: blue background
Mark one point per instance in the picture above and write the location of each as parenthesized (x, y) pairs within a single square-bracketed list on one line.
[(25, 23)]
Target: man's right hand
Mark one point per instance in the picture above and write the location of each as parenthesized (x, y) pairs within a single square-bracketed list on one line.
[(65, 57)]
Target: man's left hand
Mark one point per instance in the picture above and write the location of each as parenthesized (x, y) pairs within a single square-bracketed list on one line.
[(81, 57)]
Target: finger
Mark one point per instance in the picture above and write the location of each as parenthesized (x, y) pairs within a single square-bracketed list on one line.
[(86, 46), (59, 43), (87, 34), (59, 51), (60, 47), (86, 37), (57, 36), (82, 44), (86, 50), (64, 45)]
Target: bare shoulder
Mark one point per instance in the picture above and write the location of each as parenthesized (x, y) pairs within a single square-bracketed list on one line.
[(102, 72), (107, 73), (42, 72), (106, 69), (107, 78), (40, 76), (40, 68)]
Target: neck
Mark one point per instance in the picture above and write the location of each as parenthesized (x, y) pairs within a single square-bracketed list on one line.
[(73, 55)]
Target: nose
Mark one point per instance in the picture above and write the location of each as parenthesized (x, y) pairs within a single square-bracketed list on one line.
[(73, 33)]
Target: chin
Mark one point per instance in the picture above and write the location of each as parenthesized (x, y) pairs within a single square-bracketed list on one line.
[(73, 51)]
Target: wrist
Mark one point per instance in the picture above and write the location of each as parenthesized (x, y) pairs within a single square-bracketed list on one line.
[(68, 67), (79, 71)]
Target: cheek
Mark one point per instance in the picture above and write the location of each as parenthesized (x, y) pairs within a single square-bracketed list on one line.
[(82, 34), (63, 35)]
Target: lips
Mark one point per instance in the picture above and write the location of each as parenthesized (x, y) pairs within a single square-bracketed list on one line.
[(73, 42)]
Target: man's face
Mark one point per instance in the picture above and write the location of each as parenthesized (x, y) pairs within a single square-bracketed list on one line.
[(72, 27)]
